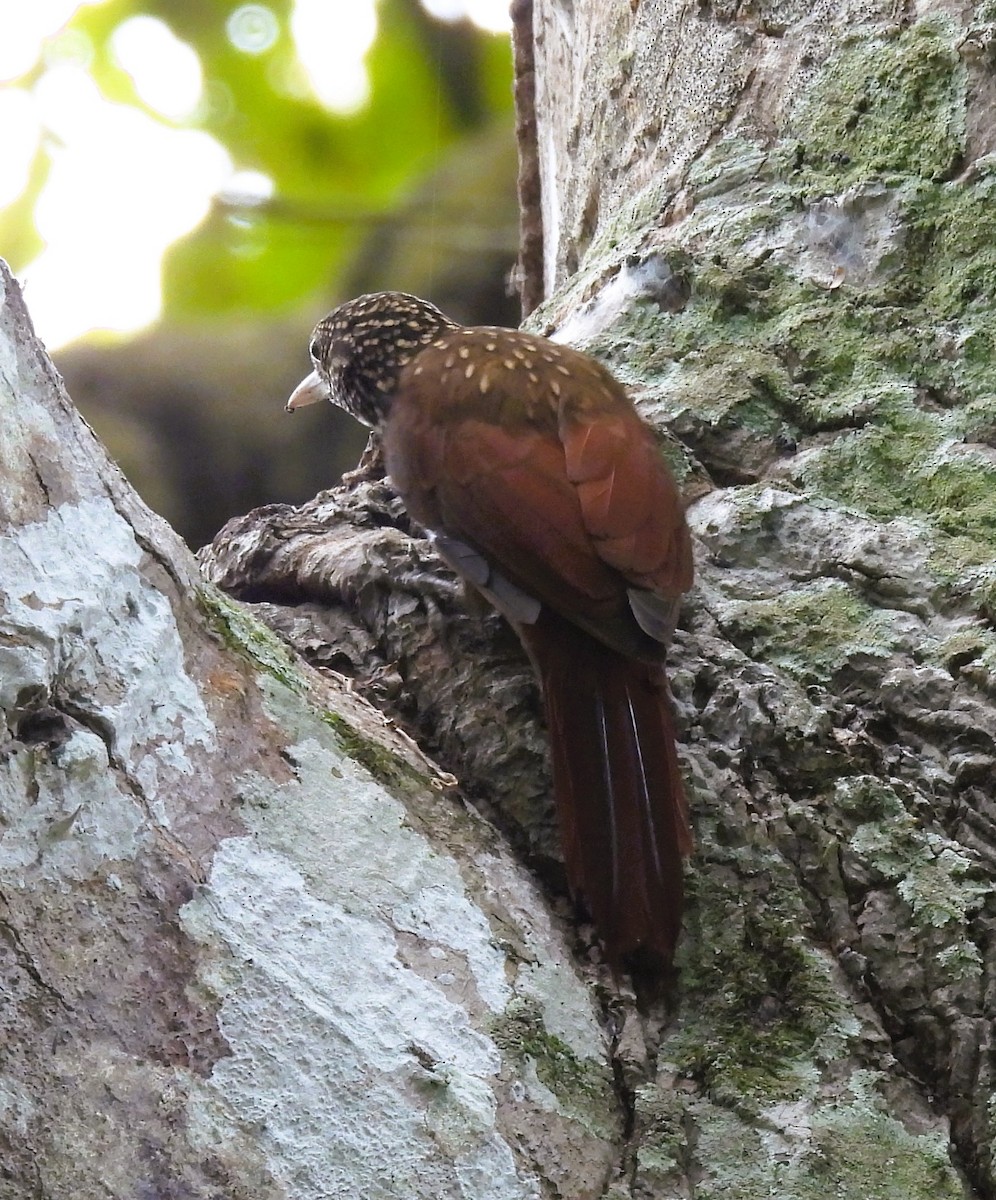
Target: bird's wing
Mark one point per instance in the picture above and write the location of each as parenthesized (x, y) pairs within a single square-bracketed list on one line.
[(630, 504), (575, 545), (532, 455), (508, 495)]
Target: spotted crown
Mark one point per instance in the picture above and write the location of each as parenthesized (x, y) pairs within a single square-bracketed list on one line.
[(361, 347)]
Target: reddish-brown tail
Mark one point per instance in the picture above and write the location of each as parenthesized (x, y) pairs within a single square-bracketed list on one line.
[(620, 802)]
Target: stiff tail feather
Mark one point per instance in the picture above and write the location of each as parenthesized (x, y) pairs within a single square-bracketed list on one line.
[(620, 802)]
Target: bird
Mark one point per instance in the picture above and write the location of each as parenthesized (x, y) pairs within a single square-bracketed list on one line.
[(531, 472)]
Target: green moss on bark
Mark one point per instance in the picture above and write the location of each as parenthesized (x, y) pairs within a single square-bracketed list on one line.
[(886, 107), (759, 1004), (382, 762), (812, 630), (239, 630), (847, 304), (583, 1087)]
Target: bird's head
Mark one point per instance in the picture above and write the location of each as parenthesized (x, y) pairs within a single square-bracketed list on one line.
[(359, 349)]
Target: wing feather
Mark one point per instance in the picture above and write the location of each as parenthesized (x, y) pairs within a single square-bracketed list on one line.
[(630, 504), (568, 498)]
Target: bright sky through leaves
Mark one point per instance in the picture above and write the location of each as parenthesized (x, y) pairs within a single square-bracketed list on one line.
[(123, 186), (488, 14), (175, 81)]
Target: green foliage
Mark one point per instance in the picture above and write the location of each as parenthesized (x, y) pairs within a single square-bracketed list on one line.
[(335, 175), (19, 237)]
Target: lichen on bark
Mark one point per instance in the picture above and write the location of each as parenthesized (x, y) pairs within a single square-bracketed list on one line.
[(830, 374)]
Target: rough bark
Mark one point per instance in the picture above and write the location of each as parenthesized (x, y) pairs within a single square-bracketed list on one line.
[(530, 262), (775, 221)]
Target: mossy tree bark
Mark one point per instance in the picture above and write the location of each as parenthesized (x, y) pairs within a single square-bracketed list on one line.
[(254, 951), (777, 222)]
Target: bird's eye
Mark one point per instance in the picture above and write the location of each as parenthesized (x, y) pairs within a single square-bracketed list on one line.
[(315, 349)]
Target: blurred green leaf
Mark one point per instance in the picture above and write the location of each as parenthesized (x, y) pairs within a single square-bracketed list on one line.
[(19, 235), (337, 176)]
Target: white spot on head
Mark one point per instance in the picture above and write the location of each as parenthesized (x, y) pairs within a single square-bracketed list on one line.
[(464, 351), (469, 371)]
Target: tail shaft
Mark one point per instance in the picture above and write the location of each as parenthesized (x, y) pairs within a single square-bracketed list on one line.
[(620, 801)]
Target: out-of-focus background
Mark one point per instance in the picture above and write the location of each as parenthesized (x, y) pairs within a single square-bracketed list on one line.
[(187, 185)]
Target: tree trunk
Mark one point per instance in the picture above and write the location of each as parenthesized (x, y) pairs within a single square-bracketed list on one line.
[(777, 222), (257, 945)]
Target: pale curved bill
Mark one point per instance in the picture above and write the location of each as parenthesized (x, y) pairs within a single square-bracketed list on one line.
[(310, 390)]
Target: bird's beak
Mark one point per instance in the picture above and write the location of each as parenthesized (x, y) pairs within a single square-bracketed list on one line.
[(310, 390)]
